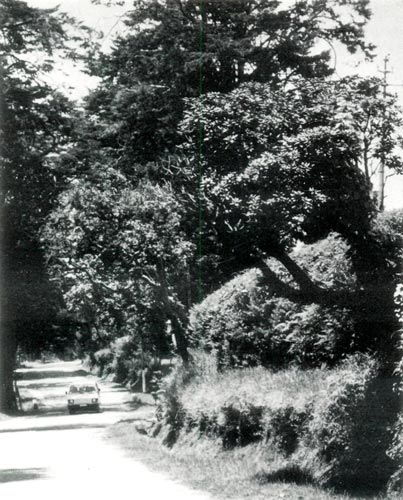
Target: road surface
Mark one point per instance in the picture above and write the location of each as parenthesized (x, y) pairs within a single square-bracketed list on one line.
[(50, 455)]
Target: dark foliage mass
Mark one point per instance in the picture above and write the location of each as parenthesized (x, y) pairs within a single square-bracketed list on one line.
[(36, 123)]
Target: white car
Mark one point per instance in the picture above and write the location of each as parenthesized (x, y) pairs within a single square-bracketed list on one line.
[(83, 396)]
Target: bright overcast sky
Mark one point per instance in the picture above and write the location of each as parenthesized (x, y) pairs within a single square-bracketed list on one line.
[(385, 30)]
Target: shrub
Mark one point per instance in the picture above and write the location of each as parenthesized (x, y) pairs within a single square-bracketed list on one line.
[(124, 362), (348, 431), (103, 359), (239, 423), (396, 449), (329, 425), (122, 359), (244, 324), (238, 407), (169, 412), (286, 426)]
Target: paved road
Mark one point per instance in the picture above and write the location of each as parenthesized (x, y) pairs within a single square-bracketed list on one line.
[(52, 455)]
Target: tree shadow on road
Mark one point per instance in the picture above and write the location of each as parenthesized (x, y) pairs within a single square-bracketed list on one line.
[(32, 374), (11, 475), (56, 427)]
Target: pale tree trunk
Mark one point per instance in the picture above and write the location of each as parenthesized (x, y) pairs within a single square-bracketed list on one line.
[(177, 315)]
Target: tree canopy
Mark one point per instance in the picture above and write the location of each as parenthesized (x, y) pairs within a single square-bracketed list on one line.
[(174, 43), (182, 48)]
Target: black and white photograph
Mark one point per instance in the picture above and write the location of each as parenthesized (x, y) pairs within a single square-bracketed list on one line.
[(201, 249)]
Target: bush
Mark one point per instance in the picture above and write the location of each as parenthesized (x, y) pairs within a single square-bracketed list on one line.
[(121, 359), (286, 426), (126, 359), (238, 407), (348, 431), (396, 449), (170, 413), (244, 324), (103, 359), (328, 425)]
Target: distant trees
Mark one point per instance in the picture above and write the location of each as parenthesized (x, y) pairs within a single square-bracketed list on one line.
[(170, 41), (377, 119)]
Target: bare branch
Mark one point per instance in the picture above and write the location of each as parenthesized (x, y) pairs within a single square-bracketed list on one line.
[(300, 275)]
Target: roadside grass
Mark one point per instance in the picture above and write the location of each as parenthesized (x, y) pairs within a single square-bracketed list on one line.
[(258, 434), (257, 386), (203, 465)]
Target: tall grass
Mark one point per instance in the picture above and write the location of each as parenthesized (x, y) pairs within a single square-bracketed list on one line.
[(326, 426)]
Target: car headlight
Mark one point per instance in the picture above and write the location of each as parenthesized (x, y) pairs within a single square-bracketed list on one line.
[(70, 401), (94, 400)]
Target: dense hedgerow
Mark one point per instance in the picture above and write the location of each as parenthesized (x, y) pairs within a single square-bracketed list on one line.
[(244, 324), (350, 427), (396, 454), (396, 449), (329, 425), (235, 406)]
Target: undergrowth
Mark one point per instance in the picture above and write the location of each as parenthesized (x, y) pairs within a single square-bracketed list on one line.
[(321, 426)]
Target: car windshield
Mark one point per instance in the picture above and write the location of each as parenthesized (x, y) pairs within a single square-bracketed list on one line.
[(87, 388), (82, 389)]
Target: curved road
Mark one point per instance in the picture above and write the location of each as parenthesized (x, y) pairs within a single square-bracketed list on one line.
[(52, 455)]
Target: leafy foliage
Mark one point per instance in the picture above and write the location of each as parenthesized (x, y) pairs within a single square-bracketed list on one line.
[(240, 41), (109, 246), (246, 324), (396, 454), (174, 49), (272, 157), (350, 428), (376, 117), (236, 407), (270, 175)]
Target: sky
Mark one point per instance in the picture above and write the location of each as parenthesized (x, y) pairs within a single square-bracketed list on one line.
[(385, 30)]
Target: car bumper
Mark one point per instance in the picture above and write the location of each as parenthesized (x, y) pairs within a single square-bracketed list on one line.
[(83, 406)]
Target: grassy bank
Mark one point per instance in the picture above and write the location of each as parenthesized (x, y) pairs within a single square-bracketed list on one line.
[(227, 474), (331, 427), (254, 433)]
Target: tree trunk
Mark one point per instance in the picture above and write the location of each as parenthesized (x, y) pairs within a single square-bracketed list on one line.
[(176, 315), (8, 349), (8, 339), (181, 341)]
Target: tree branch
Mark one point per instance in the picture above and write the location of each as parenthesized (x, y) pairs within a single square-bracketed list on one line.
[(271, 280), (300, 275)]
